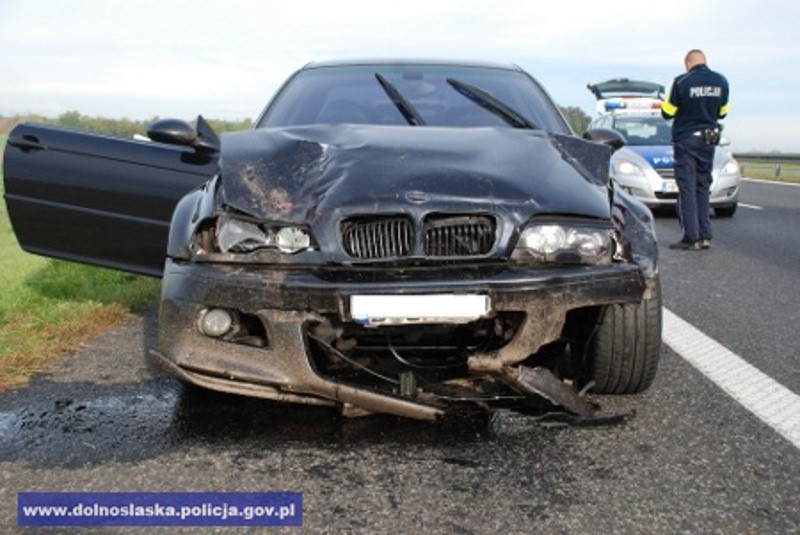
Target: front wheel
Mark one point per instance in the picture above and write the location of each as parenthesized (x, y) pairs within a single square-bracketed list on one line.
[(625, 350)]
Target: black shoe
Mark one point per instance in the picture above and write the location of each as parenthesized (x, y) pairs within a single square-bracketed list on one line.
[(705, 244), (686, 245)]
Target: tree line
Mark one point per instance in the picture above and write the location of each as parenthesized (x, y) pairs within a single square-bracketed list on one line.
[(576, 118), (103, 125)]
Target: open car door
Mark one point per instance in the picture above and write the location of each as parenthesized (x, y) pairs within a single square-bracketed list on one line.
[(97, 199)]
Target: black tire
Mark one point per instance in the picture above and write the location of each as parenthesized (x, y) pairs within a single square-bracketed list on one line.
[(725, 211), (626, 347)]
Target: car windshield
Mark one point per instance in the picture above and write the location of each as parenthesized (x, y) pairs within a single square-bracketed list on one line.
[(355, 94), (652, 130)]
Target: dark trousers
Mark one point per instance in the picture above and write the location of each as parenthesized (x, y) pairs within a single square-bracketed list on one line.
[(694, 160)]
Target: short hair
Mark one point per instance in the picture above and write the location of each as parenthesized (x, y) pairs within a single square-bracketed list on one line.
[(695, 54)]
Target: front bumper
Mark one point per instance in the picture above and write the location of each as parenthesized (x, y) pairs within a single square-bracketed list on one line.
[(287, 301), (661, 192)]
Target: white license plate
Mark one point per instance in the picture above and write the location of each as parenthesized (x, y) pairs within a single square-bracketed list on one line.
[(669, 186), (405, 309)]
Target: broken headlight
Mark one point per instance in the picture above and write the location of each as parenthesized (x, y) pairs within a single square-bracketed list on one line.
[(565, 243), (236, 235)]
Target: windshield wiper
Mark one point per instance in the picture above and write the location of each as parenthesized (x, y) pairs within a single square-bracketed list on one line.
[(410, 114), (491, 104)]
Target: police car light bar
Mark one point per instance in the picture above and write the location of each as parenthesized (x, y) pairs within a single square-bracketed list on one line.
[(623, 104)]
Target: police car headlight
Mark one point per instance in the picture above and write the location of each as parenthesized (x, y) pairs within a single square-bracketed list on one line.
[(730, 168), (566, 244), (627, 168)]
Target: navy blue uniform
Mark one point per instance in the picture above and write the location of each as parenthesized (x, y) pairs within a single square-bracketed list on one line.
[(696, 101)]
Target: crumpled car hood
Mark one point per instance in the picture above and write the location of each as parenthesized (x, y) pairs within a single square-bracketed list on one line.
[(300, 174)]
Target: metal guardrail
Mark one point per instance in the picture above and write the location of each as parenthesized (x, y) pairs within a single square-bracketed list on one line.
[(776, 165), (769, 156)]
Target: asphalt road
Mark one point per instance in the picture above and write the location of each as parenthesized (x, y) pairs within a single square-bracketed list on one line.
[(691, 461), (744, 293)]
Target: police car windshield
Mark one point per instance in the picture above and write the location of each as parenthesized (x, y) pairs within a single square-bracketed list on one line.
[(651, 130)]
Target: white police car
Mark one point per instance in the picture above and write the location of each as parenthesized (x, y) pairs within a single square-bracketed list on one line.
[(645, 165)]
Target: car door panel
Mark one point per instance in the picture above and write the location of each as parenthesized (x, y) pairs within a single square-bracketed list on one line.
[(97, 199)]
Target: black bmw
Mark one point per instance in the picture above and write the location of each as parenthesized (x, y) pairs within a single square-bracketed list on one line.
[(392, 236)]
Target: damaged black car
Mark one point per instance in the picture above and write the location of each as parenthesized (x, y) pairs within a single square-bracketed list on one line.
[(391, 237)]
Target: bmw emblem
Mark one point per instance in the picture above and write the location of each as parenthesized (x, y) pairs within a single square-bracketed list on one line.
[(417, 197)]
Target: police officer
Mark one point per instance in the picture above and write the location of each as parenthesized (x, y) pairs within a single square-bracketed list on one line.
[(696, 101)]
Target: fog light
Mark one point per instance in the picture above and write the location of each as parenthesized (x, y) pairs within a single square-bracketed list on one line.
[(216, 322)]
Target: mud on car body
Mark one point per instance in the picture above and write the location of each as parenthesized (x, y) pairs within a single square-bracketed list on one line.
[(391, 237)]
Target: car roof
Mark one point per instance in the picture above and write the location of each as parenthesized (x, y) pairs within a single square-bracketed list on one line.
[(410, 62)]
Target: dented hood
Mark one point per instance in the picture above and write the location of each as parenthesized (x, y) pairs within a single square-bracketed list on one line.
[(303, 173)]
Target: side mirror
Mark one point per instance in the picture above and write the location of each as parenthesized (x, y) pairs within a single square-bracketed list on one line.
[(172, 132), (178, 132), (606, 136)]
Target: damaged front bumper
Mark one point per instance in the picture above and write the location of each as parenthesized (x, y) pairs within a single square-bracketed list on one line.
[(286, 314)]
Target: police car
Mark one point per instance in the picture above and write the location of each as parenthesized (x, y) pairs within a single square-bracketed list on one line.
[(645, 165)]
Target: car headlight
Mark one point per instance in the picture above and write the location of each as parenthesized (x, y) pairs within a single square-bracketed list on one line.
[(627, 168), (239, 236), (292, 239), (564, 243), (730, 168)]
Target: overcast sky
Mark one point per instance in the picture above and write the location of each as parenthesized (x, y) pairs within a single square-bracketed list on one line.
[(224, 59)]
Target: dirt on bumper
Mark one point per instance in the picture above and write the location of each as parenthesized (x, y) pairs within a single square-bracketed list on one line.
[(286, 302)]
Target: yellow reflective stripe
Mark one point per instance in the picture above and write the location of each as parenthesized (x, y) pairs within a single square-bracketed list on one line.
[(723, 111), (669, 108)]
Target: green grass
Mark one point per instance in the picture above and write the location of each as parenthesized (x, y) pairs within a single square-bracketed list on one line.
[(50, 307), (765, 170)]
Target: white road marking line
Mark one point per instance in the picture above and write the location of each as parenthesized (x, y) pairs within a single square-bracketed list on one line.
[(775, 182), (756, 391), (751, 206)]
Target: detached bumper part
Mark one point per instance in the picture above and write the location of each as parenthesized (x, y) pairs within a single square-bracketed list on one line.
[(541, 382)]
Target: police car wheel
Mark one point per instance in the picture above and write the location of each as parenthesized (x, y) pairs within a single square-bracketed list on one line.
[(626, 347)]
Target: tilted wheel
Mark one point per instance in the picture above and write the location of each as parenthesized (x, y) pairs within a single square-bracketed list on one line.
[(625, 350)]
